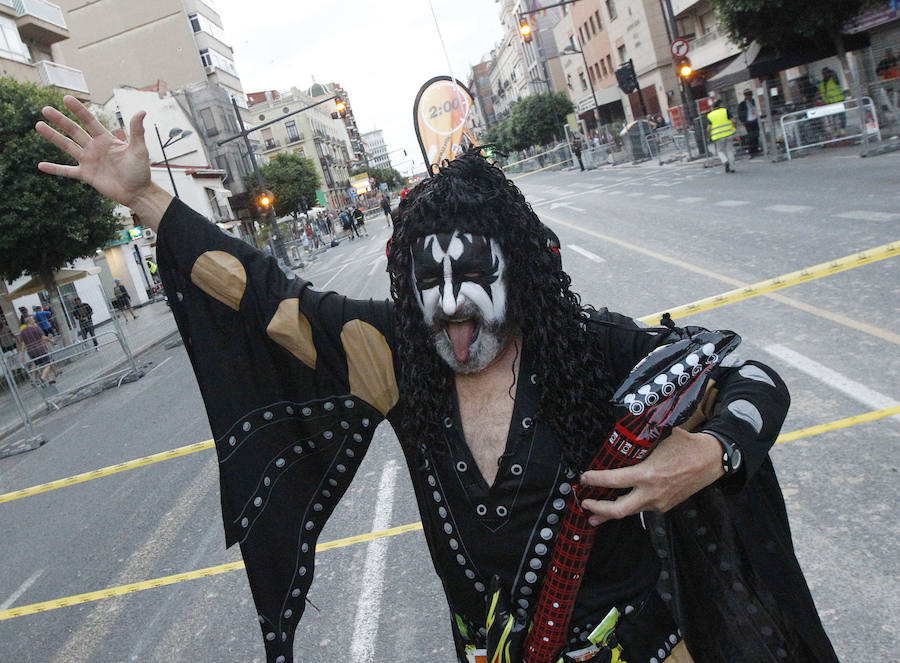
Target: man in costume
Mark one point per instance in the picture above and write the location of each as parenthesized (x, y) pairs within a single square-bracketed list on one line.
[(483, 330)]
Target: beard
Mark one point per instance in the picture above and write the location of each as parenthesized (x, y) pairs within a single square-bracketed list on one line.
[(489, 340)]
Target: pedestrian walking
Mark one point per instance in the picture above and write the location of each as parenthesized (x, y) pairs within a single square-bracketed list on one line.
[(749, 117), (347, 225), (122, 300), (359, 221), (386, 208), (43, 319), (721, 130), (84, 314), (34, 342), (577, 143)]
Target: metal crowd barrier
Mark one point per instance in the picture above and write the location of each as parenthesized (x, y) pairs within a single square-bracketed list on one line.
[(833, 123)]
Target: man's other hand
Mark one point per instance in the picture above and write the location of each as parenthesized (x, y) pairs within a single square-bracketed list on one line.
[(679, 466)]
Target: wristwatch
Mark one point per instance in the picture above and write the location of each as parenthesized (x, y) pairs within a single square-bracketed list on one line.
[(732, 459)]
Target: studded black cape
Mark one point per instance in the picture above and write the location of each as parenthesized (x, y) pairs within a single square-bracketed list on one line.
[(295, 381)]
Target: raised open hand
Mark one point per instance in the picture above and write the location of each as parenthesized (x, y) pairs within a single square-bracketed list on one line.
[(117, 169)]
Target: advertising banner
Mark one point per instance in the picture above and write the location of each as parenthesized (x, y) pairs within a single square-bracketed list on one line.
[(359, 183), (439, 115)]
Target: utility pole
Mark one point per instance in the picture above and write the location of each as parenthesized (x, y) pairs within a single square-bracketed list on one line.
[(687, 95)]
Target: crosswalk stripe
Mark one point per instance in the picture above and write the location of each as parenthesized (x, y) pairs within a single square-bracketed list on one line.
[(788, 209), (732, 203), (691, 199), (863, 215)]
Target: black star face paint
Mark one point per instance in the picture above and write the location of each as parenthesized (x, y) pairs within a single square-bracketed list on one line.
[(459, 285)]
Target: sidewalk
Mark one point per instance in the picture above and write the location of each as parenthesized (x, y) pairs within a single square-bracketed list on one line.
[(154, 324)]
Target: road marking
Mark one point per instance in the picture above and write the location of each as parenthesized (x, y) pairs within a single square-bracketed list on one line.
[(112, 592), (634, 194), (885, 251), (567, 206), (660, 196), (157, 366), (862, 215), (21, 590), (599, 190), (789, 209), (368, 607), (855, 390), (691, 199), (732, 203), (581, 185), (334, 276), (375, 264), (587, 254), (536, 200)]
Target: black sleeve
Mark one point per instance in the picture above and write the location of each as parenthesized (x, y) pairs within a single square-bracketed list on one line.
[(294, 382)]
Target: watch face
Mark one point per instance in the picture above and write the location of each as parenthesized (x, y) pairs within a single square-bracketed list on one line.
[(736, 459)]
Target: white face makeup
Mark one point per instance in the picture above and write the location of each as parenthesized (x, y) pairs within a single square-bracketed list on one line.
[(459, 285)]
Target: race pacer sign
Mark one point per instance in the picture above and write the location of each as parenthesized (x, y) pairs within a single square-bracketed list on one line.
[(439, 115)]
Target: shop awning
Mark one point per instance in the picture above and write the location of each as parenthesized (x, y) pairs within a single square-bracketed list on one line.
[(62, 276)]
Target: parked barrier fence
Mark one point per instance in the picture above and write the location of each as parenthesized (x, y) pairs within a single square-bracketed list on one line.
[(833, 123)]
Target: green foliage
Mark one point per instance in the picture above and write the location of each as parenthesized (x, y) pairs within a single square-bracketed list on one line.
[(45, 221), (787, 24), (292, 179), (387, 175), (535, 120)]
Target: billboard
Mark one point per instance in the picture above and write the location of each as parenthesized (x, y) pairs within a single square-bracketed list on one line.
[(360, 183)]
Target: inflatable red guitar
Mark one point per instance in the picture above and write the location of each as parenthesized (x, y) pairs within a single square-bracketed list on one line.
[(661, 392)]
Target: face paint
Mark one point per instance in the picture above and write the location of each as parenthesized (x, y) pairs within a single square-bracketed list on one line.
[(458, 283)]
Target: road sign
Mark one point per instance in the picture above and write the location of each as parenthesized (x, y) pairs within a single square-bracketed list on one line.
[(679, 48)]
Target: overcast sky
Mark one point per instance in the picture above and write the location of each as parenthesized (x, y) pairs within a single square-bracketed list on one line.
[(380, 51)]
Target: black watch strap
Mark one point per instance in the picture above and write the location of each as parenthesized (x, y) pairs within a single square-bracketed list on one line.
[(732, 458)]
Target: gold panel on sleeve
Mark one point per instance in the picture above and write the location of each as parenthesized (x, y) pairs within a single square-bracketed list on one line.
[(292, 331), (221, 276), (370, 365), (706, 408)]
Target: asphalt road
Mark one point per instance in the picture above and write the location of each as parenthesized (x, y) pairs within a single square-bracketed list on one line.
[(635, 239)]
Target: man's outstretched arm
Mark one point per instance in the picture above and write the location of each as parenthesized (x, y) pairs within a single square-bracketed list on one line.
[(117, 169)]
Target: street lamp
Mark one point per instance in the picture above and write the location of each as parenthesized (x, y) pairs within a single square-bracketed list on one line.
[(175, 135), (571, 50)]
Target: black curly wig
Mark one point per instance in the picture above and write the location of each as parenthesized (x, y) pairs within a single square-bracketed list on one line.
[(472, 195)]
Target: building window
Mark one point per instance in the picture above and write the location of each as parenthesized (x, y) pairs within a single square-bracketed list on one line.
[(623, 54), (591, 74), (209, 122), (268, 140), (580, 35), (200, 23), (593, 25), (603, 67), (581, 77), (599, 22), (686, 27), (597, 71), (211, 58), (291, 128), (11, 46), (609, 63), (611, 10)]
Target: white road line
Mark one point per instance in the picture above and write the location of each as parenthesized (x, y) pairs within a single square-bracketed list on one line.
[(859, 392), (660, 196), (375, 264), (334, 276), (732, 203), (534, 200), (368, 607), (587, 254), (567, 206), (157, 366), (788, 209), (635, 194), (691, 199), (863, 215), (21, 590)]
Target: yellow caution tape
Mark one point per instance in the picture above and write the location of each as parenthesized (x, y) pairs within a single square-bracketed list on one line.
[(539, 170), (121, 590), (130, 588), (840, 423), (785, 280), (106, 471), (515, 163)]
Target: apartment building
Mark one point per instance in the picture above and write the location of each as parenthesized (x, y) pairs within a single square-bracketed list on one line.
[(312, 133), (29, 30), (376, 149)]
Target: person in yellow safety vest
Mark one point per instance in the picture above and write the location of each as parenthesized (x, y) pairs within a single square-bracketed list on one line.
[(831, 92), (151, 265), (721, 129)]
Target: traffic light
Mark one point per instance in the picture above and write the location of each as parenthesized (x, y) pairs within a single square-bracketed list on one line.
[(684, 68), (340, 107), (264, 201), (627, 78), (525, 30)]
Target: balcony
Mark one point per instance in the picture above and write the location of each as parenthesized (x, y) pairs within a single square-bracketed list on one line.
[(65, 78), (40, 21)]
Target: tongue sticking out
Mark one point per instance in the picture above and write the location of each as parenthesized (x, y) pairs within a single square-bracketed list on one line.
[(461, 336)]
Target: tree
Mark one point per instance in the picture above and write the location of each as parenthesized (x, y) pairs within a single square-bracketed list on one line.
[(785, 25), (538, 120), (45, 222), (388, 176), (293, 179)]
